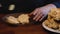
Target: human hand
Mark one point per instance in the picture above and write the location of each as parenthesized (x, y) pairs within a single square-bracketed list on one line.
[(40, 13)]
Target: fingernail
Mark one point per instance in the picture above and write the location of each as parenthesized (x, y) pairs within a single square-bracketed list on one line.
[(36, 20), (33, 18)]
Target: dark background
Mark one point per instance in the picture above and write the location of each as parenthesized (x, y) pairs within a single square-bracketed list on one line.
[(22, 5)]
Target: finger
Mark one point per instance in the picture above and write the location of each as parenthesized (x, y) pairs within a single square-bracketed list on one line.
[(39, 17), (36, 16), (42, 17), (30, 14), (35, 11)]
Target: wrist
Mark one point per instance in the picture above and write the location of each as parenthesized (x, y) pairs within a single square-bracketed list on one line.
[(49, 7)]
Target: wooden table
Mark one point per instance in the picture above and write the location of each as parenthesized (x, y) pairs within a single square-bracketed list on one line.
[(21, 29)]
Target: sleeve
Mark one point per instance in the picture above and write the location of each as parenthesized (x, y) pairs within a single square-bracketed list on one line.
[(57, 4)]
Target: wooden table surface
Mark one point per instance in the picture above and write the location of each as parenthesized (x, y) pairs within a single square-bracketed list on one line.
[(21, 29)]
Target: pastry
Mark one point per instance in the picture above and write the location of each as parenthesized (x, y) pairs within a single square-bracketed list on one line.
[(23, 18), (12, 20)]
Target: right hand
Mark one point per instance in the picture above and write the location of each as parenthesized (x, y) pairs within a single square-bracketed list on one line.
[(41, 12)]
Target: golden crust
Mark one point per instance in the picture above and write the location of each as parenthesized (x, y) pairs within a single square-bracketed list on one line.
[(23, 18), (53, 15), (12, 20)]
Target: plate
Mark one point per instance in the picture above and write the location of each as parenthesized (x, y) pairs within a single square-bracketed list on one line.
[(49, 29), (16, 15)]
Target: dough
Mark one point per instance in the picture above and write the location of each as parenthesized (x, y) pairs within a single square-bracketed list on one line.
[(53, 15), (12, 20), (23, 18)]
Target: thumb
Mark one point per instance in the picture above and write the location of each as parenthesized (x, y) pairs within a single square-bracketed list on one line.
[(30, 14)]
